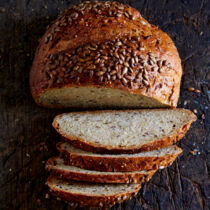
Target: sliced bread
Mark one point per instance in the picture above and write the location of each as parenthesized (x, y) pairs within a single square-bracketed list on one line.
[(118, 162), (128, 131), (60, 169), (90, 194)]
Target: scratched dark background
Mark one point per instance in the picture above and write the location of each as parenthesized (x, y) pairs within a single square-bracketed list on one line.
[(26, 135)]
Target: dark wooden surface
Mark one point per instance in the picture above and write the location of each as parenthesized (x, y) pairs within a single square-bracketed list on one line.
[(25, 127)]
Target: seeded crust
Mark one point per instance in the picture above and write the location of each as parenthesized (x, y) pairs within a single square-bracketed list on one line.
[(150, 65), (93, 176), (154, 145), (117, 163), (82, 200)]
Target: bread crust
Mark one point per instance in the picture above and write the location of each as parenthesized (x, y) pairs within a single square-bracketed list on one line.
[(132, 177), (154, 145), (81, 200), (114, 164), (67, 36)]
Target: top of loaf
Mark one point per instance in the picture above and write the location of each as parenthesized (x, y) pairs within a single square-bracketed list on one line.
[(109, 44)]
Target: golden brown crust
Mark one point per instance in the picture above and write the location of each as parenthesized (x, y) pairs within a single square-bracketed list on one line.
[(154, 66), (110, 164), (154, 145), (132, 177), (78, 200)]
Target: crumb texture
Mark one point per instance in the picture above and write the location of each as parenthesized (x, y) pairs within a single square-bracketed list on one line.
[(122, 129)]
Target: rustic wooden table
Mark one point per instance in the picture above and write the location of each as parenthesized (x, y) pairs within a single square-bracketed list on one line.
[(26, 135)]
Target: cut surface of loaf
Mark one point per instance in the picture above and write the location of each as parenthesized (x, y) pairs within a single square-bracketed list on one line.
[(124, 131), (105, 55), (67, 172), (91, 194), (152, 160)]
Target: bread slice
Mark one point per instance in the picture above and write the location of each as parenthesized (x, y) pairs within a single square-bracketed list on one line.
[(90, 194), (128, 131), (60, 169), (118, 162)]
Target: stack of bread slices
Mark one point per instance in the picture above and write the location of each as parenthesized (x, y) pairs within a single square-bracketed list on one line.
[(106, 155)]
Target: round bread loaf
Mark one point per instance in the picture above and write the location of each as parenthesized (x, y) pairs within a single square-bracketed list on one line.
[(105, 55)]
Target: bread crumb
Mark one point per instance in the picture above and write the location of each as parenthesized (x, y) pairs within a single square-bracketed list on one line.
[(194, 152), (190, 89), (47, 196), (197, 91), (195, 111), (185, 103)]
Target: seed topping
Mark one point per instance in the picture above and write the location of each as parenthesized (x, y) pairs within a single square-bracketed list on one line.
[(105, 62)]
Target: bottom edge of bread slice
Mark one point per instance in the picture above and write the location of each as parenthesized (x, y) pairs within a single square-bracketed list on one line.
[(152, 160), (82, 194), (67, 172)]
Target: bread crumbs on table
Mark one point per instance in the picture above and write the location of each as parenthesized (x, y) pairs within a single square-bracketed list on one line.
[(196, 91), (195, 111), (195, 152), (47, 196), (190, 89)]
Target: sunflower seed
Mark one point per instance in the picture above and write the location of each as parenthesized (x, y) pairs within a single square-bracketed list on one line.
[(142, 22), (129, 77), (126, 64), (126, 14), (113, 72), (119, 75), (124, 81), (145, 82), (125, 70), (113, 77), (99, 73), (136, 59), (145, 76), (162, 69)]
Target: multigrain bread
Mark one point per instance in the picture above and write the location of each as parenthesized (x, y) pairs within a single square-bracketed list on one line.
[(82, 194), (105, 55), (121, 162), (127, 131), (67, 172)]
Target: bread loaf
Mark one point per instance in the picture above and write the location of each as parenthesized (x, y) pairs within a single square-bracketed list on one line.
[(67, 172), (124, 131), (105, 55), (82, 194)]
